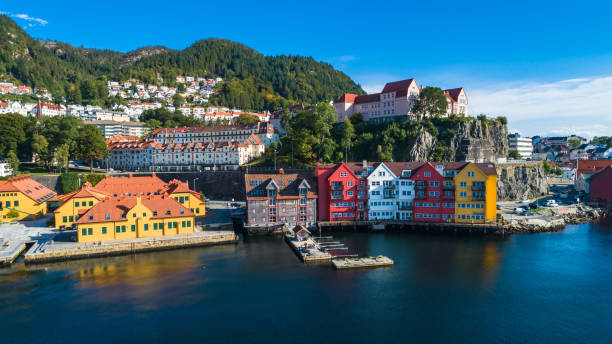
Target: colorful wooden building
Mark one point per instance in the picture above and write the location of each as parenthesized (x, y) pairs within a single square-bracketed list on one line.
[(601, 188), (476, 193)]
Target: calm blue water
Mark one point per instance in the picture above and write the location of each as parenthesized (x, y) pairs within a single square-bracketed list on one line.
[(539, 288)]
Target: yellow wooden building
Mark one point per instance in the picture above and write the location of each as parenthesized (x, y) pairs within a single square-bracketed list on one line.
[(476, 193), (75, 204), (131, 217), (22, 197)]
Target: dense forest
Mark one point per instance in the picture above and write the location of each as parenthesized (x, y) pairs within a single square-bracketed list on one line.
[(252, 81)]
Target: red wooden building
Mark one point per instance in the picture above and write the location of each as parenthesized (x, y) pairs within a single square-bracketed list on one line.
[(432, 202), (343, 192), (601, 187)]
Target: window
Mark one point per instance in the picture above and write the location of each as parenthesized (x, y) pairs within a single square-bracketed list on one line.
[(349, 193), (146, 227), (188, 224), (103, 230), (123, 229), (155, 226), (349, 183), (123, 216), (155, 213), (76, 204), (84, 231), (134, 215), (89, 231), (91, 217), (65, 218), (90, 203), (117, 229), (463, 194), (426, 174), (16, 203), (161, 225), (463, 184), (108, 216), (343, 174), (71, 218)]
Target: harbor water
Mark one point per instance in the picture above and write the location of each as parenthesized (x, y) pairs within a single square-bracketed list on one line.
[(527, 288)]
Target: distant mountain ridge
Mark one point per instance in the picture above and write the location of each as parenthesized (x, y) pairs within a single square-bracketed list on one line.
[(251, 80)]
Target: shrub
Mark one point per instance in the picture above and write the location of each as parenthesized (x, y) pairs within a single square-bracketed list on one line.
[(502, 119), (12, 214), (93, 178), (69, 181)]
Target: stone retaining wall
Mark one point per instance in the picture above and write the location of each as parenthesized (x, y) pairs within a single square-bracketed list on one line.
[(79, 252)]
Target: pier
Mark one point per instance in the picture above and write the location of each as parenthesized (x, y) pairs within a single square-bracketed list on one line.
[(52, 251), (356, 263), (409, 226), (10, 250)]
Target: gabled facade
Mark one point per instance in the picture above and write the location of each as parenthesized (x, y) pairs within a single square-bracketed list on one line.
[(476, 193), (342, 193), (601, 188), (429, 205), (382, 192), (76, 203), (277, 199), (24, 197)]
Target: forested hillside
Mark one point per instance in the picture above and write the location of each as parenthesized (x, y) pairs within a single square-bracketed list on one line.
[(251, 80)]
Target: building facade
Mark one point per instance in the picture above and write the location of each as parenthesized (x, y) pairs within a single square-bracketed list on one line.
[(131, 217), (265, 131), (280, 199), (601, 187), (343, 192), (523, 145), (476, 194), (22, 197), (395, 101)]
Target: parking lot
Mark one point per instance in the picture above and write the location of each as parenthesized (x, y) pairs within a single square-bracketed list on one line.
[(564, 196)]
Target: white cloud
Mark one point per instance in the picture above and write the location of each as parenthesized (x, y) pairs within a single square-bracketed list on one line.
[(582, 106), (27, 18)]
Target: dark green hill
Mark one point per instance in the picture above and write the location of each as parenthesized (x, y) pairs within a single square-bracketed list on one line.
[(251, 80)]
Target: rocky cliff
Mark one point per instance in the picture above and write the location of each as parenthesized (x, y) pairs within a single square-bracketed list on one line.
[(519, 181), (476, 140)]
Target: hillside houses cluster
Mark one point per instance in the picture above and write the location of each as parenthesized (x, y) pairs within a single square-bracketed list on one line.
[(198, 88)]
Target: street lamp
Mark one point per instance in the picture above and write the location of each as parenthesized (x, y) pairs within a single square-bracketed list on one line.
[(194, 185)]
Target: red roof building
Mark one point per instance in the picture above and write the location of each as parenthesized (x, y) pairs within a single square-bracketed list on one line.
[(601, 187), (343, 194)]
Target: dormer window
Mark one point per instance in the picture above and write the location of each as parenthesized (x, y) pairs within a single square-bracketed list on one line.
[(155, 213), (91, 217), (108, 216), (123, 216)]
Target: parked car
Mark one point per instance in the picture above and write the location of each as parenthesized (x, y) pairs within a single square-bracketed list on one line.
[(551, 203), (524, 201), (528, 213), (519, 211)]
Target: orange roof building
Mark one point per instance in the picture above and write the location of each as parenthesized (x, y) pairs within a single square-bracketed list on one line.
[(22, 197), (124, 218)]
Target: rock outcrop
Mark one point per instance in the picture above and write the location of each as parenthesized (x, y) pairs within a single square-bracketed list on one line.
[(520, 181), (476, 140)]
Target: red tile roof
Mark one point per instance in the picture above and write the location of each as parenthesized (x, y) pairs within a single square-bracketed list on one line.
[(29, 187), (591, 166), (346, 98), (396, 86), (287, 183), (453, 93), (161, 206), (368, 98)]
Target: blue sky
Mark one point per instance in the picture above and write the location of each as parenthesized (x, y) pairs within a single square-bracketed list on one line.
[(546, 65)]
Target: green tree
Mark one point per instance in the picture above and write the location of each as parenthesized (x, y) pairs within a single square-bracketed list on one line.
[(573, 142), (347, 136), (13, 133), (514, 154), (178, 100), (92, 145), (502, 119), (430, 102), (13, 161), (62, 156), (12, 214), (247, 119), (151, 125), (39, 146)]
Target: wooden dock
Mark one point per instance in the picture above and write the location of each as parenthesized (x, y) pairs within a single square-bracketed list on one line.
[(357, 263), (10, 250), (307, 250), (410, 226)]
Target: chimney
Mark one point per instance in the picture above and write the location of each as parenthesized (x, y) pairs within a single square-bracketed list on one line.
[(138, 200), (281, 171), (130, 175), (365, 164)]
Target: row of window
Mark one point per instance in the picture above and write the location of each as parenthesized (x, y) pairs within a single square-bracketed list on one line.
[(470, 217), (339, 215), (122, 228), (343, 204), (470, 205)]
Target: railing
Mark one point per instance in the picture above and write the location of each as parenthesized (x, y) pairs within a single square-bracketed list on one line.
[(478, 188), (448, 187), (337, 187), (337, 197), (448, 197), (388, 196), (405, 207), (479, 198), (420, 197), (389, 186), (420, 186)]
